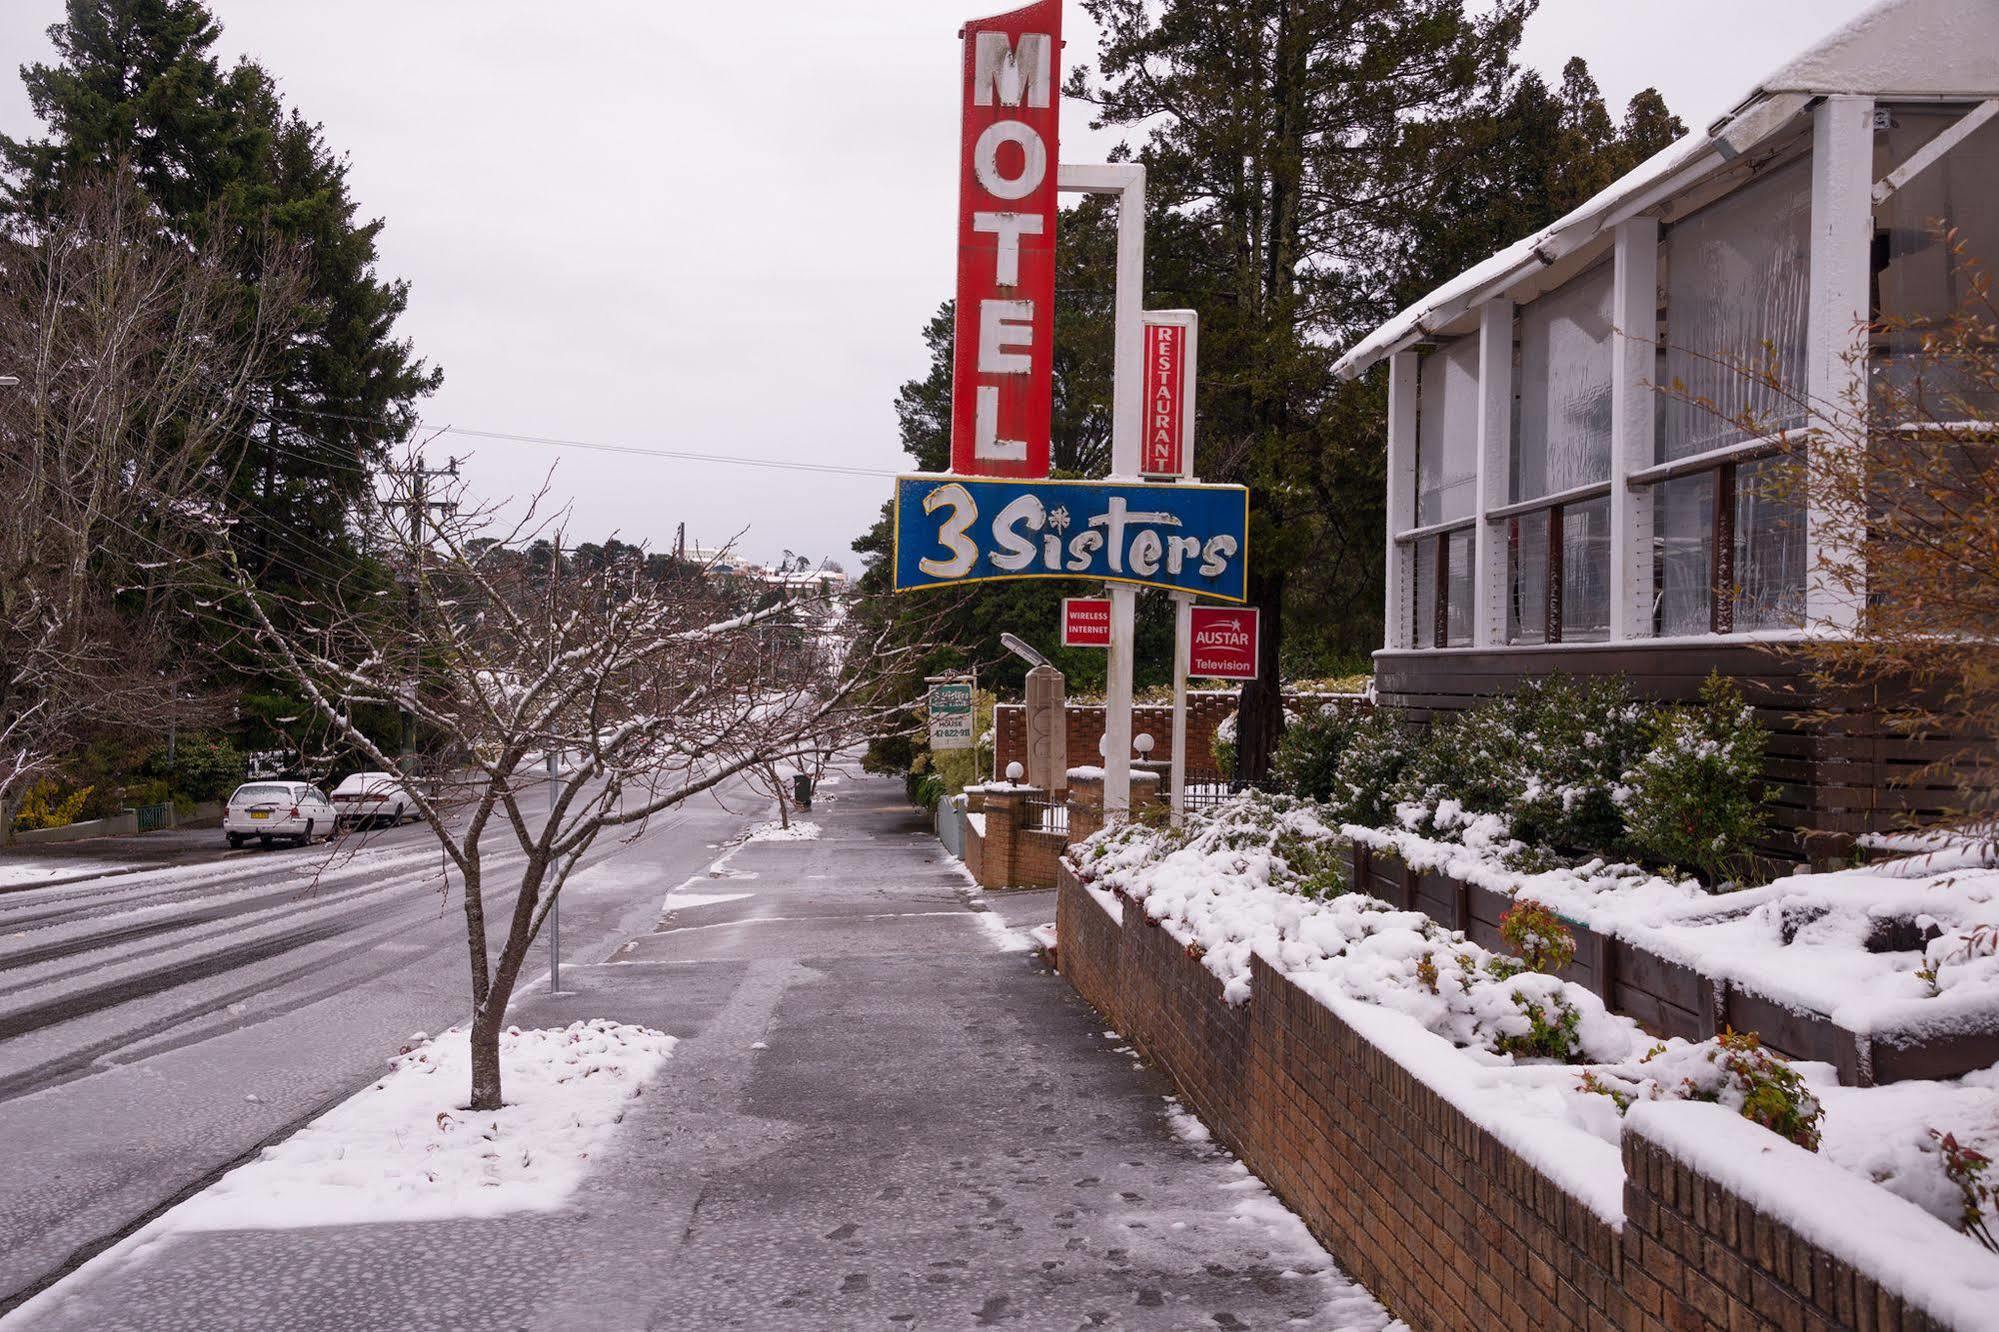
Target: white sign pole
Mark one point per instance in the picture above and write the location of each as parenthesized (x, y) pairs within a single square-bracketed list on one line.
[(1183, 614), (1127, 181)]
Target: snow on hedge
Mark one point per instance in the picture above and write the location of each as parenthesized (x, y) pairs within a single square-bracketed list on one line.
[(406, 1150), (1802, 941), (1263, 875)]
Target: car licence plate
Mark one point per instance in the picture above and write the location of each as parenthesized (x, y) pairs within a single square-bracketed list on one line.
[(260, 813)]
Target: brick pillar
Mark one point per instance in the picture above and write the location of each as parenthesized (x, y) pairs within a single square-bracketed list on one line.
[(1006, 815), (1086, 806)]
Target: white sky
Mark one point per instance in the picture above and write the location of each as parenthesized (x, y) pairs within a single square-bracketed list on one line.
[(720, 229)]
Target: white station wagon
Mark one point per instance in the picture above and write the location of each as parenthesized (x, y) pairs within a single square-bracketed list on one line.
[(295, 811), (373, 797)]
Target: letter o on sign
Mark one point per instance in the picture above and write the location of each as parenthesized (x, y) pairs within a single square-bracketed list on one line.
[(985, 160)]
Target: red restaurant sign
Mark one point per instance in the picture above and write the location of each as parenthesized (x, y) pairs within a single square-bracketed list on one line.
[(1224, 642), (1006, 243), (1163, 450), (1086, 622)]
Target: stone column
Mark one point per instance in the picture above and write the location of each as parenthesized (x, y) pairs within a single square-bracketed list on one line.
[(1047, 730)]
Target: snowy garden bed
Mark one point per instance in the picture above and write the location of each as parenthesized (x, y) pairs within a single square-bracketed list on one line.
[(405, 1150), (1543, 1060)]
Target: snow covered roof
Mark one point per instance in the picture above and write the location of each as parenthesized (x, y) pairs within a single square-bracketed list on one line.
[(1907, 48)]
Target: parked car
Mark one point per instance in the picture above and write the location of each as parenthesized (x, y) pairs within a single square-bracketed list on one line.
[(295, 811), (373, 797)]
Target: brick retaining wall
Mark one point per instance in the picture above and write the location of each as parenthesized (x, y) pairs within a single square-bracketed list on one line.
[(1444, 1223)]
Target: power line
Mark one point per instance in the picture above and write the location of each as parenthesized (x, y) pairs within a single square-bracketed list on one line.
[(680, 455)]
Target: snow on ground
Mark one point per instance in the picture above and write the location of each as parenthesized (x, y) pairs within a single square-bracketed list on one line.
[(1343, 1305), (800, 831), (1009, 940), (19, 873), (680, 901), (406, 1149)]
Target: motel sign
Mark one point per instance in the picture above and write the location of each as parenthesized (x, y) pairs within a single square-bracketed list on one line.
[(1004, 363)]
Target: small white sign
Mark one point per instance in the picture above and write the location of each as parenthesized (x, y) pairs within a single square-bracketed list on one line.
[(951, 716)]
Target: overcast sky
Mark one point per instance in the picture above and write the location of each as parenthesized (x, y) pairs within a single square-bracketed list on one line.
[(720, 229)]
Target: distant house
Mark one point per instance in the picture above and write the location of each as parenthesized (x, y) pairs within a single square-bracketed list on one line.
[(1549, 509)]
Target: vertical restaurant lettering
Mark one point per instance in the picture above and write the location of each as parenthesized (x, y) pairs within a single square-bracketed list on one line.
[(1165, 385), (1006, 243)]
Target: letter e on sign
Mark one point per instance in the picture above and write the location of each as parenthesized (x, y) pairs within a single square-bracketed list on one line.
[(1004, 359), (1224, 642)]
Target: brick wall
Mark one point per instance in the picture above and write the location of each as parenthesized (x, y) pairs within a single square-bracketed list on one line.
[(1448, 1226)]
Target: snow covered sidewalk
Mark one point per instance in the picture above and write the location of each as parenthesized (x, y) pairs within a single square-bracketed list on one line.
[(882, 1110)]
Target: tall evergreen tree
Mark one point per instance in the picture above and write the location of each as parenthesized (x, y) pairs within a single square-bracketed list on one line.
[(1291, 129), (220, 156)]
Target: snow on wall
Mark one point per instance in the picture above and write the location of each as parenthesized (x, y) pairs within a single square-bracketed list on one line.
[(1882, 1236)]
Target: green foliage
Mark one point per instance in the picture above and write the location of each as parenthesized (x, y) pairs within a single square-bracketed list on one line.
[(1577, 739), (1697, 795), (1552, 1029), (1308, 757), (1732, 1069), (45, 806), (1472, 758), (1542, 938), (1379, 752)]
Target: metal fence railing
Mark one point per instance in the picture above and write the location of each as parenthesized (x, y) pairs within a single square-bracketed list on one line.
[(151, 818), (1044, 815), (1206, 790)]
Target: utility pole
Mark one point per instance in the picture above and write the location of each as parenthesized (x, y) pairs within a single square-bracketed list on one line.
[(419, 505)]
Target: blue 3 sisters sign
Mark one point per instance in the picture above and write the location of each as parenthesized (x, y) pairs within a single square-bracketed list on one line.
[(964, 529)]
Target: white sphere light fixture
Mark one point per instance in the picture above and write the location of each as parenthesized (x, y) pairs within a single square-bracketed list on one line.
[(1142, 742), (1014, 772)]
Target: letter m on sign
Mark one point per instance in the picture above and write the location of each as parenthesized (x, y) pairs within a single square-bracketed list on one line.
[(1004, 354)]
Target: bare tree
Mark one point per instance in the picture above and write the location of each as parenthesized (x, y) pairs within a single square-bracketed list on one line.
[(132, 354), (507, 654)]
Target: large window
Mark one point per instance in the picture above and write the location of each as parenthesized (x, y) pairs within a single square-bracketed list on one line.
[(1916, 277), (1557, 524), (1737, 276), (1447, 434), (1561, 435)]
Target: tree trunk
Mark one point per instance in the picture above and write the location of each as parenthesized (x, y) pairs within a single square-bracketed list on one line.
[(487, 1024), (1260, 710)]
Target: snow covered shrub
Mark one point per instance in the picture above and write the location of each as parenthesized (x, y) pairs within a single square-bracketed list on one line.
[(1732, 1069), (1377, 754), (1965, 1167), (1576, 740), (1959, 957), (1552, 1028), (1697, 796), (1468, 762), (1308, 757), (1544, 942)]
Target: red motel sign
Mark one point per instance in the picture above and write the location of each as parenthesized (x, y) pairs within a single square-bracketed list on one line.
[(1224, 642), (1163, 448), (1086, 622), (1001, 377)]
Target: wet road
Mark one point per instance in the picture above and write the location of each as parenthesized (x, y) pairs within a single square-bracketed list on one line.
[(166, 1004)]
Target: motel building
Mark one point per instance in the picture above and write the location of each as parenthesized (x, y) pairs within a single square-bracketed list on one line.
[(1551, 509)]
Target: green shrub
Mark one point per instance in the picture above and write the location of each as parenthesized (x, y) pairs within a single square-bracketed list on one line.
[(1222, 746), (45, 806), (1552, 1030), (1471, 759), (1577, 740), (1371, 768), (1308, 756), (1697, 796), (1732, 1069), (1542, 938)]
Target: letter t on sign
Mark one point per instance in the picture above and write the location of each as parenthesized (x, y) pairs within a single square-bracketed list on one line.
[(1004, 361)]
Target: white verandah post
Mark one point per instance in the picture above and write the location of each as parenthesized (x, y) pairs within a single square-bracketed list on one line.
[(1490, 490), (1835, 381), (1402, 367), (1127, 181), (1634, 338)]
